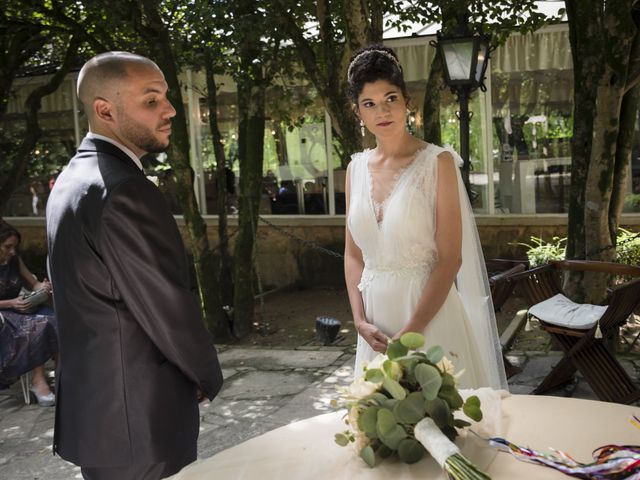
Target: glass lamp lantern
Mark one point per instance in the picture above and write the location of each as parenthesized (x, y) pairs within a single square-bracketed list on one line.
[(465, 60)]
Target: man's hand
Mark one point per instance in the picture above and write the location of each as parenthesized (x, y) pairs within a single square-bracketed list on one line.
[(201, 396), (373, 336)]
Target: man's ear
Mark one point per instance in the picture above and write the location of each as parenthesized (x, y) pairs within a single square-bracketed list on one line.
[(103, 110)]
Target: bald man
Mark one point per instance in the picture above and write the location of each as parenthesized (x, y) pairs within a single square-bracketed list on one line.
[(135, 356)]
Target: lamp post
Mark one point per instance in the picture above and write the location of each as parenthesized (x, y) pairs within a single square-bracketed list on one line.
[(465, 57)]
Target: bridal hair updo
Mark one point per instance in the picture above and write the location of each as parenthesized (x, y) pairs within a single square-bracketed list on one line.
[(370, 64)]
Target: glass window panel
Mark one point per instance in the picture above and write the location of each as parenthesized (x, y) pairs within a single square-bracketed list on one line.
[(532, 130)]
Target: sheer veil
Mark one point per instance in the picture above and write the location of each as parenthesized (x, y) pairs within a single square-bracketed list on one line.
[(473, 285)]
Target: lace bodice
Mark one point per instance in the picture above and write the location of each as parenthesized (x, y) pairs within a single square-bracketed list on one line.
[(404, 239)]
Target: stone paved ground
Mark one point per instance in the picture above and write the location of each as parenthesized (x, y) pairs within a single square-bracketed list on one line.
[(264, 389)]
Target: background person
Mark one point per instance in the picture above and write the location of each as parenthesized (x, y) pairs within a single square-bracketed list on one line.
[(134, 353), (28, 336)]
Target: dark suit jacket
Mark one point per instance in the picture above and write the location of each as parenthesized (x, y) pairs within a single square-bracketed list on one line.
[(133, 346)]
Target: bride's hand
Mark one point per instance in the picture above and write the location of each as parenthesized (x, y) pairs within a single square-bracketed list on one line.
[(373, 336)]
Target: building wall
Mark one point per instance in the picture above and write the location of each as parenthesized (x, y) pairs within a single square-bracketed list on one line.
[(286, 254)]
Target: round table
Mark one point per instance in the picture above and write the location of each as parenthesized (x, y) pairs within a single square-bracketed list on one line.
[(306, 449)]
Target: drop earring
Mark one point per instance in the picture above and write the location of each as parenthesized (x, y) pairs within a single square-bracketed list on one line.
[(409, 120), (362, 128)]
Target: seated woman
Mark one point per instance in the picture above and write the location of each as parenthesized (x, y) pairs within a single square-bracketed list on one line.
[(28, 335)]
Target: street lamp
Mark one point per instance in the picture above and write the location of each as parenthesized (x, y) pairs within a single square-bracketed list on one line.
[(465, 57)]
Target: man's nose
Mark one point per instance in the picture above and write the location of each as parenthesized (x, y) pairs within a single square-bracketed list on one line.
[(170, 112)]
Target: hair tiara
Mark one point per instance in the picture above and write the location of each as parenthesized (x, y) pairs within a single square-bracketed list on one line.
[(384, 53)]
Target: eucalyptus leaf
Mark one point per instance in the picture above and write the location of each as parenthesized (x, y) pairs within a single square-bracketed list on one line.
[(471, 408), (429, 379), (386, 421), (394, 388), (395, 349), (378, 398), (439, 411), (448, 380), (374, 375), (368, 419), (459, 423), (435, 354), (341, 439), (413, 357), (389, 403), (412, 340), (393, 437), (368, 456), (410, 410), (450, 432), (392, 369), (451, 396), (410, 450), (383, 451)]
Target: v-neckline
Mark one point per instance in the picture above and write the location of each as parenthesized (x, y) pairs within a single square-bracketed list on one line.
[(398, 177)]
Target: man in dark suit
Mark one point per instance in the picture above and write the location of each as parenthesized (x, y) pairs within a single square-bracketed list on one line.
[(135, 356)]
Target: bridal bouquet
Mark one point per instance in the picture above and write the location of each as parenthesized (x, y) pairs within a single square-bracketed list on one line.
[(404, 404)]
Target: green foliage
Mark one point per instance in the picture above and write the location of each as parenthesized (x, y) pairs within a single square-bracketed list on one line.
[(540, 252), (628, 247), (471, 408), (632, 202), (394, 395)]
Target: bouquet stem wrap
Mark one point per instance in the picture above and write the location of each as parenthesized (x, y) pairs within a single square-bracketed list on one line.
[(434, 441), (446, 453)]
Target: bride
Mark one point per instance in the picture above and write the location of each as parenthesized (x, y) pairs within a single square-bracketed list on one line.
[(412, 257)]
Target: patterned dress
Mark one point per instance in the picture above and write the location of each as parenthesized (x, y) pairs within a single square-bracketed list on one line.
[(26, 339)]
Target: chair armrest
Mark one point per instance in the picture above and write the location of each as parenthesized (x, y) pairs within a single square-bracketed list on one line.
[(516, 277), (595, 266), (537, 284), (507, 273)]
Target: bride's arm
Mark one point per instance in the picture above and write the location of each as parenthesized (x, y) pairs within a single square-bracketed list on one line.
[(448, 239), (353, 266)]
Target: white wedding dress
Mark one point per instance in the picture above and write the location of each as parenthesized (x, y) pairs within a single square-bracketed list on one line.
[(399, 253)]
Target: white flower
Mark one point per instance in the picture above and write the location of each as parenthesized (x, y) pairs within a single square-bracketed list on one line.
[(360, 388), (446, 366), (377, 362)]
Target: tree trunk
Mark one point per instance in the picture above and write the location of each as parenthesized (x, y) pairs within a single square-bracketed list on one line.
[(225, 280), (19, 157), (251, 111), (178, 155), (600, 73), (431, 104), (628, 116)]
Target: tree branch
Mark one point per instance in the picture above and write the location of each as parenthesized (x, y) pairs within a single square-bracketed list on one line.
[(303, 47), (33, 132)]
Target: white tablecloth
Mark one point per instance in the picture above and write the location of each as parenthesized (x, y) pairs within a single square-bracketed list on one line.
[(306, 449)]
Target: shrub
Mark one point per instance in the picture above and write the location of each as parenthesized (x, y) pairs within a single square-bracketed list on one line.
[(540, 252), (628, 247)]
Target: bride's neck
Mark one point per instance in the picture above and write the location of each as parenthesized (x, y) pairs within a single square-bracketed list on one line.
[(397, 146)]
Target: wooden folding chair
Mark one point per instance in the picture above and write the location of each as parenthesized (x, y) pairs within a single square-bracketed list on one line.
[(583, 351), (501, 289)]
